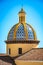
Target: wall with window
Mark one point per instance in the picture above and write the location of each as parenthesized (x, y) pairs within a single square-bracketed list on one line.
[(14, 48)]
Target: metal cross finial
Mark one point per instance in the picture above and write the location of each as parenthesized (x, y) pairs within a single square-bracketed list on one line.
[(22, 4)]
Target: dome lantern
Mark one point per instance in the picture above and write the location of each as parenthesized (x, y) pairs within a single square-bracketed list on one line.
[(22, 15)]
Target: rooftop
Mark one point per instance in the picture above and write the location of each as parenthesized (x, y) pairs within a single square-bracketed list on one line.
[(6, 60), (35, 54)]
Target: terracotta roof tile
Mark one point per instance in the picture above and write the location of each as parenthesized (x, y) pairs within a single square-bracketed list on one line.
[(6, 60), (34, 54)]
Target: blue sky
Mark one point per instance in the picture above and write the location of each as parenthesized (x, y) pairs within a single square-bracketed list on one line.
[(9, 16)]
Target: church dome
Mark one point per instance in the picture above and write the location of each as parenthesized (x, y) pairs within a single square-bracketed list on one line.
[(22, 30)]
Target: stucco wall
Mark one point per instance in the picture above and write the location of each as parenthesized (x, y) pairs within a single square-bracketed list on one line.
[(14, 48), (19, 62)]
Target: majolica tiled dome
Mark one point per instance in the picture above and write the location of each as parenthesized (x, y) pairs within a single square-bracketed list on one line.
[(22, 30)]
